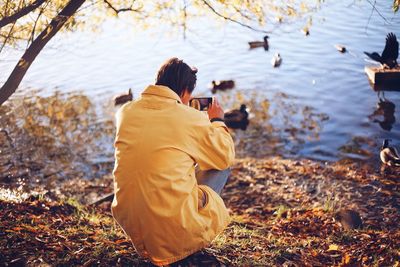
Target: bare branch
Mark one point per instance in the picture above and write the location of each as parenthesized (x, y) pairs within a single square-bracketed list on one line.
[(88, 6), (20, 13), (377, 11), (184, 23), (119, 10), (232, 20), (8, 37), (34, 26)]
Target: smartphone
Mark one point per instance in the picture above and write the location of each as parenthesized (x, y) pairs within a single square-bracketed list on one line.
[(200, 103)]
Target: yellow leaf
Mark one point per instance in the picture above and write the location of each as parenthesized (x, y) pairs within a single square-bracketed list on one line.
[(333, 247), (346, 259)]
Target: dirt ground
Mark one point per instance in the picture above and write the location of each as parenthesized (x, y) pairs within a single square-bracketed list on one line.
[(283, 211)]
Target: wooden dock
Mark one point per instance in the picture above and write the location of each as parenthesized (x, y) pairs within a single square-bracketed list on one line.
[(384, 79)]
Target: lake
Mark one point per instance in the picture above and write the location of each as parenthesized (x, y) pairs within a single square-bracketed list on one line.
[(319, 99)]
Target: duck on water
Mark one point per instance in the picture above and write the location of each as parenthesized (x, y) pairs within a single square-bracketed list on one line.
[(222, 85), (256, 44), (237, 118), (276, 61)]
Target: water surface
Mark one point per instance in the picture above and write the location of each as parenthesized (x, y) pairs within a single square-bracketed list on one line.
[(313, 73)]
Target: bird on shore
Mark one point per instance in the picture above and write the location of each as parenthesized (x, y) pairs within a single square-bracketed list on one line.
[(237, 118), (122, 99), (349, 219), (389, 154), (222, 85), (390, 53), (276, 61), (264, 43)]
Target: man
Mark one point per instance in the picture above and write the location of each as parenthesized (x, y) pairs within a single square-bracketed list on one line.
[(167, 208)]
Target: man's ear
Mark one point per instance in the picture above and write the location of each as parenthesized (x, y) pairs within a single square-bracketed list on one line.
[(184, 93), (185, 97)]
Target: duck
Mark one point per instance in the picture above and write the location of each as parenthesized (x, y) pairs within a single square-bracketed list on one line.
[(390, 53), (340, 48), (264, 43), (222, 85), (122, 99), (276, 61), (349, 219), (305, 31), (389, 154), (237, 118)]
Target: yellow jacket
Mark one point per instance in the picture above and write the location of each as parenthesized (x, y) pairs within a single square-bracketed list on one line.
[(158, 202)]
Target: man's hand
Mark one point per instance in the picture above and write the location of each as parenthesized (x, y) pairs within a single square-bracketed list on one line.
[(214, 110)]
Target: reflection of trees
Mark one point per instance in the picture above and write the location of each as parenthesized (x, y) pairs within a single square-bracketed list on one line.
[(51, 137), (358, 147), (277, 125)]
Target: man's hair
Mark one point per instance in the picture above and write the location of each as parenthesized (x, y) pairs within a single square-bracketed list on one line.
[(177, 75)]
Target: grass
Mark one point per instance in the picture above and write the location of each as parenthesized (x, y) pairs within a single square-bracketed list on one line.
[(270, 226)]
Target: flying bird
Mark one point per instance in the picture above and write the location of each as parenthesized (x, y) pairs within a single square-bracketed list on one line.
[(389, 154), (390, 53)]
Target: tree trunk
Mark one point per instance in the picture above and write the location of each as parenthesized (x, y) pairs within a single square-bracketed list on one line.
[(20, 13), (34, 49)]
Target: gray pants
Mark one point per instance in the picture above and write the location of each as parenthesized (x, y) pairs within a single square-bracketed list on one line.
[(213, 178)]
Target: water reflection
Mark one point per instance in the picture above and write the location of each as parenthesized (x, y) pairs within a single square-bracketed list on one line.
[(384, 109), (278, 125), (44, 139), (47, 139), (358, 147), (313, 71)]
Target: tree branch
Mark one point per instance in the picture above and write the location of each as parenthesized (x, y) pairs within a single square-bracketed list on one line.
[(377, 11), (230, 19), (34, 49), (184, 23), (31, 38), (20, 13), (9, 33), (7, 37), (117, 11)]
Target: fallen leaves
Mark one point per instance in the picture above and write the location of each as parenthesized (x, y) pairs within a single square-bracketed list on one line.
[(283, 209), (333, 247), (289, 205), (62, 235)]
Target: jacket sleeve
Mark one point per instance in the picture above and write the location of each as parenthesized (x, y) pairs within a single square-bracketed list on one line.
[(215, 148)]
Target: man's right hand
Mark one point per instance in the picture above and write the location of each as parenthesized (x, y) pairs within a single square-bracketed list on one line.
[(214, 110)]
